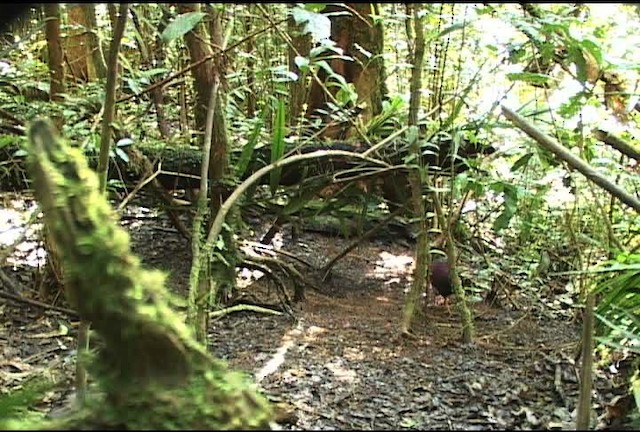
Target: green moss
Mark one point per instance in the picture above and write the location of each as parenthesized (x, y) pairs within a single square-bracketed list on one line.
[(152, 371)]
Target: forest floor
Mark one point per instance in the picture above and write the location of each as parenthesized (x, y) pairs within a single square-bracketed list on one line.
[(341, 363)]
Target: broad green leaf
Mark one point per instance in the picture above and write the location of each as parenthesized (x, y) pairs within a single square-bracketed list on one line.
[(510, 193), (576, 55), (285, 76), (124, 142), (593, 48), (502, 221), (325, 48), (249, 147), (412, 134), (133, 85), (182, 25), (347, 94), (153, 72), (452, 28), (324, 65), (337, 81), (302, 63), (6, 140), (277, 145), (315, 7), (522, 162), (316, 24), (122, 154)]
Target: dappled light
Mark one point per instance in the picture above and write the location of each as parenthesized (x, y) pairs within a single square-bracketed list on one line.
[(391, 268), (309, 216), (15, 230)]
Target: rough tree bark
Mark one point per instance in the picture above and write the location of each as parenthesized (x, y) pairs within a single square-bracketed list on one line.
[(210, 276), (97, 66), (203, 74), (54, 47), (77, 44)]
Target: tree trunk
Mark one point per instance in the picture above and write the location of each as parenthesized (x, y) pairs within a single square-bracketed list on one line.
[(202, 74), (53, 276), (97, 66), (113, 14), (151, 371), (223, 271), (77, 44), (54, 46), (210, 277), (415, 179)]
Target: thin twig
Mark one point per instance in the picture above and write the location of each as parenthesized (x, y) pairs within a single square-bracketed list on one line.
[(198, 63), (139, 186), (243, 307), (34, 302), (327, 268)]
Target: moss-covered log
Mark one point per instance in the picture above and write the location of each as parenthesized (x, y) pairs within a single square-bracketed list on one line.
[(150, 371), (181, 164)]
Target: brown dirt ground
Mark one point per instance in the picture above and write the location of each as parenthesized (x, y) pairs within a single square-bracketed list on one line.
[(341, 363)]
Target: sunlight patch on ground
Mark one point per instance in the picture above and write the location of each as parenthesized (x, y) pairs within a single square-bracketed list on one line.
[(14, 216), (340, 371), (375, 352), (353, 354), (289, 339), (274, 363), (392, 268), (138, 215), (245, 276)]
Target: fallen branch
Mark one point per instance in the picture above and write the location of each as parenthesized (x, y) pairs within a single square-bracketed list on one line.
[(617, 143), (272, 252), (31, 302), (243, 307)]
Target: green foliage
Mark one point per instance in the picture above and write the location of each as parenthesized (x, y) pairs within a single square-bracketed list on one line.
[(389, 120), (182, 25), (316, 24), (16, 407), (277, 145), (248, 149), (137, 80), (522, 162), (619, 310), (619, 307), (530, 77), (510, 203)]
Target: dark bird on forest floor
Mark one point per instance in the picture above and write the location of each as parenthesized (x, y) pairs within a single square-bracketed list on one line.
[(440, 277)]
